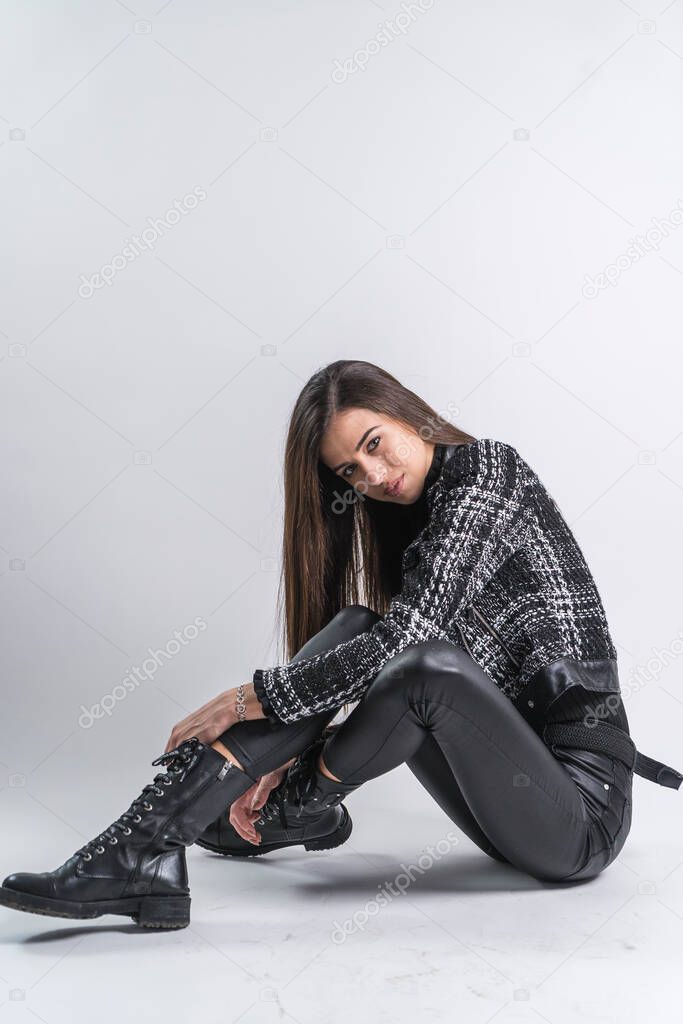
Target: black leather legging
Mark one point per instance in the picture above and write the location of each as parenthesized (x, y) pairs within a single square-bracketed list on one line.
[(558, 817)]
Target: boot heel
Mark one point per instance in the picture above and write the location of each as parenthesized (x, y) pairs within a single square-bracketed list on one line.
[(335, 838), (163, 912)]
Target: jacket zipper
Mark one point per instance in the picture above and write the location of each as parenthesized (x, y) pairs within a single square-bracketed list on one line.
[(465, 644), (494, 632)]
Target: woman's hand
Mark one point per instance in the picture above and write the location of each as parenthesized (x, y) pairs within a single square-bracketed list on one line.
[(208, 722), (247, 808)]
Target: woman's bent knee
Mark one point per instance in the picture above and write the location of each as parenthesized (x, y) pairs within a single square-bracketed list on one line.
[(357, 617), (430, 657), (419, 663)]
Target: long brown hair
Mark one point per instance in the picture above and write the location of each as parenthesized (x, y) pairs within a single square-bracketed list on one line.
[(339, 547)]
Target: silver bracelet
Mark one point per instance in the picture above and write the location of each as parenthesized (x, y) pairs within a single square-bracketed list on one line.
[(240, 705)]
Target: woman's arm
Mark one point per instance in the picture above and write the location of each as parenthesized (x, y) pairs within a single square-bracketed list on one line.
[(478, 519), (217, 715)]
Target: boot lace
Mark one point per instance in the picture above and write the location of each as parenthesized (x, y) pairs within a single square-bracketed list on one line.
[(179, 762)]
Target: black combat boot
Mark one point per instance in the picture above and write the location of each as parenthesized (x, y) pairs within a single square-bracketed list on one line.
[(137, 866), (305, 809)]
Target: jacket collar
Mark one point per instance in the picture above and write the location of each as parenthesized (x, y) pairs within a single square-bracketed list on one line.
[(442, 452), (435, 465)]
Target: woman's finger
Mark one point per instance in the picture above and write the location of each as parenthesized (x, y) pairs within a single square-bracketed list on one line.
[(248, 834), (243, 827), (259, 798), (241, 817)]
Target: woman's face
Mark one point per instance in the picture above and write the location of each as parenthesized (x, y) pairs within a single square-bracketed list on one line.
[(372, 452)]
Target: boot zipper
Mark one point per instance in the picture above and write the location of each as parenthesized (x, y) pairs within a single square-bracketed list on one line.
[(494, 632), (224, 770)]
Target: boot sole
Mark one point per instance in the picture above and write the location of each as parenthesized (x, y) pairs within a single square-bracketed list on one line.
[(336, 838), (147, 911)]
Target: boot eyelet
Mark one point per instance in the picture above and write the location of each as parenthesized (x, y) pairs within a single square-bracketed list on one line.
[(148, 807), (168, 781), (99, 849), (159, 792), (87, 856), (127, 831), (113, 841), (137, 817)]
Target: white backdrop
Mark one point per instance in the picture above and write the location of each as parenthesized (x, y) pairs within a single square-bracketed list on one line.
[(203, 204)]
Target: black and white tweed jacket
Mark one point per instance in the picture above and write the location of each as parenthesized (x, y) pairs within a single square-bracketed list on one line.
[(495, 570)]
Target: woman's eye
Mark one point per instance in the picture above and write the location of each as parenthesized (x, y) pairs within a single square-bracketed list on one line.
[(371, 448)]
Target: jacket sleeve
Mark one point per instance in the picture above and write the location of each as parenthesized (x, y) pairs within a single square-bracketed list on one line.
[(479, 516)]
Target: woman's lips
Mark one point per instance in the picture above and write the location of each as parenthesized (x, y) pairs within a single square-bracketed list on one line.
[(395, 488)]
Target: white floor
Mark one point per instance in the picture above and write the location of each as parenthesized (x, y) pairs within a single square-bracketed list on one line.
[(330, 937)]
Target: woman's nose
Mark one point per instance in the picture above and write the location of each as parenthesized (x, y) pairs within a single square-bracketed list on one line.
[(374, 474)]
